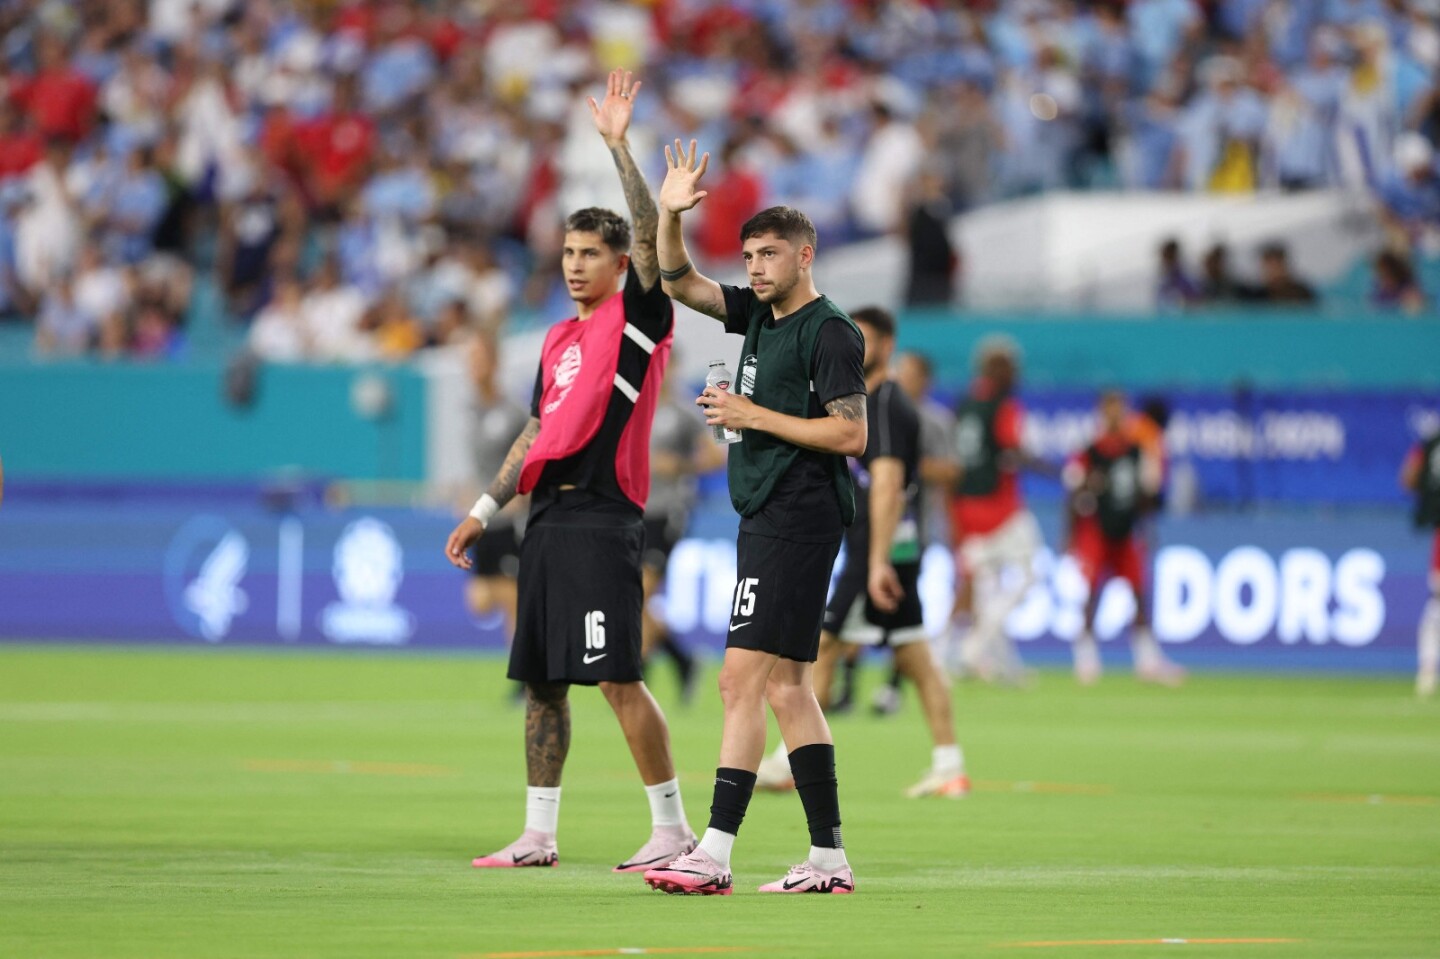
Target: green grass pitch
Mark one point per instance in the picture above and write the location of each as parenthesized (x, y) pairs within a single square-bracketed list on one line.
[(185, 804)]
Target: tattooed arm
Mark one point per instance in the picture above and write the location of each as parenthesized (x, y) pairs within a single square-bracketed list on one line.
[(501, 491), (842, 431), (612, 119), (507, 481)]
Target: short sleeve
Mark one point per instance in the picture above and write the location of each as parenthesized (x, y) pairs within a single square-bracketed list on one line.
[(740, 303), (896, 430), (539, 390), (649, 310), (838, 365)]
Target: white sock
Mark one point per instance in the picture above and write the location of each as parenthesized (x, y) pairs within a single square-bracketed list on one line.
[(542, 808), (947, 759), (1429, 636), (717, 846), (665, 806), (826, 859), (1085, 644), (1144, 648)]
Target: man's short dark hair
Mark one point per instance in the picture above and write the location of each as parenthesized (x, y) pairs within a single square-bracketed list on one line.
[(614, 231), (786, 222), (876, 317)]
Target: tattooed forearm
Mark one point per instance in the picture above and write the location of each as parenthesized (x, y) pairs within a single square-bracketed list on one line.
[(547, 733), (508, 479), (643, 212), (850, 408)]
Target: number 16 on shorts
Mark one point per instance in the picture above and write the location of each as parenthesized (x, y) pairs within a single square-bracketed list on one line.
[(594, 636)]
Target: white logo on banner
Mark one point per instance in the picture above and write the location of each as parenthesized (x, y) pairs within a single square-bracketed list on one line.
[(204, 565), (368, 568), (1301, 595), (214, 595)]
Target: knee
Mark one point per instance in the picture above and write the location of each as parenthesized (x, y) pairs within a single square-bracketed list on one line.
[(619, 694), (736, 688)]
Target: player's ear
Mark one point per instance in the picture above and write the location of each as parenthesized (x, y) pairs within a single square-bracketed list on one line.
[(623, 261), (807, 256)]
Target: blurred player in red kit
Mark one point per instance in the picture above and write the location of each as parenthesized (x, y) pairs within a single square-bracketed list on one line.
[(996, 535), (1113, 483)]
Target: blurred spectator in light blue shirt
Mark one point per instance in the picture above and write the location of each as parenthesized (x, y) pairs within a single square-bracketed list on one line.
[(397, 72), (1147, 152), (1410, 195), (1160, 28), (134, 209), (63, 328), (1221, 129), (357, 248), (401, 189), (1296, 146)]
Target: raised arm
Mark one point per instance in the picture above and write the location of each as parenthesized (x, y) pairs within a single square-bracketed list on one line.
[(612, 119), (502, 490), (678, 194)]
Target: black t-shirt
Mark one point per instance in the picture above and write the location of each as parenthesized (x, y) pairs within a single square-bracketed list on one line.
[(894, 431), (593, 468), (803, 506)]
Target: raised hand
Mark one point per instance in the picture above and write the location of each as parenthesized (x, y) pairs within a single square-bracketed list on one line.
[(682, 173), (612, 115)]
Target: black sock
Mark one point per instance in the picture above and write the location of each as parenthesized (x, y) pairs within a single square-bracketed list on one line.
[(676, 652), (895, 677), (814, 770), (847, 678), (733, 789)]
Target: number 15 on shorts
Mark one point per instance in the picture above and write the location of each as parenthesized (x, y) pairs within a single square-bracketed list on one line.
[(745, 597)]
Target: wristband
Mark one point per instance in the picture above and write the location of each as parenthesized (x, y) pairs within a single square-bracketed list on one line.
[(484, 508)]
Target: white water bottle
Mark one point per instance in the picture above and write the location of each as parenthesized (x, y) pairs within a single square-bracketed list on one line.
[(719, 378)]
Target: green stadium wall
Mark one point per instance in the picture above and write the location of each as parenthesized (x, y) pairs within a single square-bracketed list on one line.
[(134, 421)]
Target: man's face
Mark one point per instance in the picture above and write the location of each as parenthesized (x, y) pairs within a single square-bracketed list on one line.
[(1272, 268), (878, 348), (1112, 412), (773, 265), (592, 270), (910, 374)]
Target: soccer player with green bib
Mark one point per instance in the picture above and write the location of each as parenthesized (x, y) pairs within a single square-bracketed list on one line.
[(800, 409)]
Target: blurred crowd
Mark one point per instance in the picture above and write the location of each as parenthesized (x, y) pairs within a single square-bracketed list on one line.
[(365, 178)]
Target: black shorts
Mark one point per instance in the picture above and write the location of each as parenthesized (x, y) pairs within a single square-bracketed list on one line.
[(780, 595), (661, 535), (851, 613), (497, 553), (579, 602)]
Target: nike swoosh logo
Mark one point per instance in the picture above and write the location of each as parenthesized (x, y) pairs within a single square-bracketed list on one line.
[(791, 885), (740, 626), (587, 659), (668, 795)]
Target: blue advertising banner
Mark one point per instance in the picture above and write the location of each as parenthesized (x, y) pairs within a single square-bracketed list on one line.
[(1243, 447), (1340, 590)]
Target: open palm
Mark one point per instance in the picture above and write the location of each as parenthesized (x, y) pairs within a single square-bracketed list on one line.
[(682, 174), (612, 114)]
